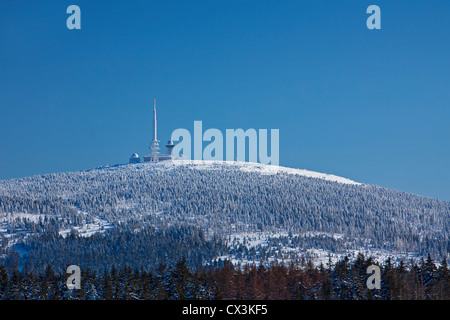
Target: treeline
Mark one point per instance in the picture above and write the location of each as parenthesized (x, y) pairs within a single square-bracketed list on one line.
[(345, 280), (145, 247)]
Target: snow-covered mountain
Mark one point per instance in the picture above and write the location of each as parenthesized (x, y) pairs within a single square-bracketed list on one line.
[(243, 211)]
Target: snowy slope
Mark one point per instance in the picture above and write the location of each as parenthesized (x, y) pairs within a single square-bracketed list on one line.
[(263, 213), (258, 168)]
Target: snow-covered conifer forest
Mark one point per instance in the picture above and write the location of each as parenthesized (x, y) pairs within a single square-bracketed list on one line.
[(146, 214)]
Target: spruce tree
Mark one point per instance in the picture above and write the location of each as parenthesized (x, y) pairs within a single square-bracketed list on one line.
[(4, 281), (443, 281), (429, 278), (107, 286)]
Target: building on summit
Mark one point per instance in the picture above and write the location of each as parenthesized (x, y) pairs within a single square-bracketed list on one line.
[(154, 155), (135, 158), (168, 155)]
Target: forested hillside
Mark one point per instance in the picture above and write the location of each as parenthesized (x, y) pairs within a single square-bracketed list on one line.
[(246, 212)]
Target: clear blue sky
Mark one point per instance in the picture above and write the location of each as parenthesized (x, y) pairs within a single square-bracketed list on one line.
[(373, 106)]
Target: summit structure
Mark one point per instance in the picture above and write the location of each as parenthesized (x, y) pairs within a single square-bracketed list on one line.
[(154, 144), (154, 155)]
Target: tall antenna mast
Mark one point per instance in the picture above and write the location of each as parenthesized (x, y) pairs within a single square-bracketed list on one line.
[(154, 146), (155, 127)]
